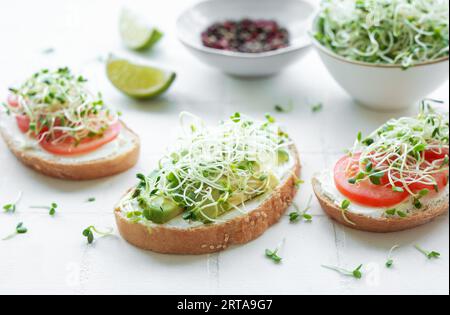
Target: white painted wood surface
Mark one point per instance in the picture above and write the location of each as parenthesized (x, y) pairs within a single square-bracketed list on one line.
[(54, 258)]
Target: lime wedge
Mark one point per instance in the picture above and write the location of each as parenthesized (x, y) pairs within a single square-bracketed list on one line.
[(138, 81), (135, 33)]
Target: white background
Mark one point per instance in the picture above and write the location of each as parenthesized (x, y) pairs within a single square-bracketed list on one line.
[(54, 258)]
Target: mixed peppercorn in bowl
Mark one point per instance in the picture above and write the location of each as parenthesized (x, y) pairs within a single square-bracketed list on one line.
[(266, 36)]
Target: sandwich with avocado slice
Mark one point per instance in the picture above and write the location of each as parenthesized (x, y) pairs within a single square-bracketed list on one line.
[(216, 186)]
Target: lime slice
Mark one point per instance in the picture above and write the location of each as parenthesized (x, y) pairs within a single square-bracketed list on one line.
[(135, 33), (138, 81)]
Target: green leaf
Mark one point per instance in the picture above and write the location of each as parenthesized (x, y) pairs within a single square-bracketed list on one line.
[(270, 118), (389, 263), (376, 178), (434, 255), (391, 212), (424, 192), (9, 208), (420, 148), (236, 117), (345, 204), (294, 216), (417, 203), (368, 142), (317, 108), (398, 189), (273, 255), (21, 229), (357, 272)]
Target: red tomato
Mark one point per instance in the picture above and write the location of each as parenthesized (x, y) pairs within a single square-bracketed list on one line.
[(68, 147), (431, 156), (23, 122), (12, 100), (441, 180), (364, 192)]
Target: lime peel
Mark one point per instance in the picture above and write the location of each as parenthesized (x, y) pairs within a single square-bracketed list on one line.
[(135, 33), (139, 81)]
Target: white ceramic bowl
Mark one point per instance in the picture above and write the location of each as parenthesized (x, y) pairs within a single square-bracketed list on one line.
[(295, 15), (384, 87)]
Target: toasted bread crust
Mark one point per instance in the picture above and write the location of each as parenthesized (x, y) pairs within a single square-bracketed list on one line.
[(79, 171), (215, 237), (377, 225)]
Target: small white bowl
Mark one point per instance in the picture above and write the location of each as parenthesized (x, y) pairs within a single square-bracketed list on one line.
[(295, 15), (384, 87)]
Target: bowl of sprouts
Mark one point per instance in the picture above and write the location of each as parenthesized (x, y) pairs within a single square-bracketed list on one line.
[(387, 54)]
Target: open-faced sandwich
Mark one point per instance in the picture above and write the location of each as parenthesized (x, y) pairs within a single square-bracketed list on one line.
[(217, 186), (395, 179), (53, 124)]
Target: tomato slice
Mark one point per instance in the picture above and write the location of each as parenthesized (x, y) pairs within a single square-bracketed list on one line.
[(69, 147), (441, 180), (23, 122), (12, 101), (364, 192), (432, 155)]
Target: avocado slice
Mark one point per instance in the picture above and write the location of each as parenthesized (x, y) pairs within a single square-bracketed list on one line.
[(237, 199), (159, 209)]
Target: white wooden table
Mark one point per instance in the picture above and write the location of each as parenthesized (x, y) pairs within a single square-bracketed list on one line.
[(54, 258)]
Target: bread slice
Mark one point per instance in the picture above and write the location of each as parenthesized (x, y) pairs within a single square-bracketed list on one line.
[(209, 238), (113, 158), (434, 209)]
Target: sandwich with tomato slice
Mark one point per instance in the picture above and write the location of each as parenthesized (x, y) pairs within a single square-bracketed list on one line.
[(393, 180), (55, 125)]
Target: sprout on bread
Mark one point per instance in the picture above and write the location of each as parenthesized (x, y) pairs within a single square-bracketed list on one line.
[(397, 32), (397, 150), (59, 106), (211, 170)]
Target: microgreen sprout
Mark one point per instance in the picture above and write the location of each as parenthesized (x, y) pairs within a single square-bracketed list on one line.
[(61, 108), (429, 255), (270, 118), (395, 212), (401, 32), (214, 170), (395, 155), (345, 205), (273, 254), (284, 109), (12, 207), (390, 259), (51, 209), (20, 229), (298, 214), (357, 273), (317, 107), (89, 233)]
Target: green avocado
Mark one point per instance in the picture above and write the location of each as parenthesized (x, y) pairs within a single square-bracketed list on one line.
[(237, 199), (159, 209)]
